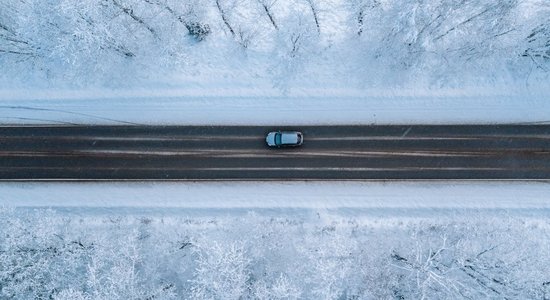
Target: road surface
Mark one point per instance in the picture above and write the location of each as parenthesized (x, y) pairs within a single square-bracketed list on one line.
[(240, 153)]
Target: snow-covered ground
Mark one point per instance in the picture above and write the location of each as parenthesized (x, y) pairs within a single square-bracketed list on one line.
[(186, 107), (285, 195)]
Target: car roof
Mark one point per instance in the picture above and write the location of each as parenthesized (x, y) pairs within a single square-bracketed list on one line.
[(289, 137)]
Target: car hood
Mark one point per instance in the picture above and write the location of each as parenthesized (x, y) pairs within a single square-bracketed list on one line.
[(270, 138)]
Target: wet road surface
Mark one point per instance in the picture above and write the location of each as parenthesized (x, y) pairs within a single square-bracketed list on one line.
[(240, 153)]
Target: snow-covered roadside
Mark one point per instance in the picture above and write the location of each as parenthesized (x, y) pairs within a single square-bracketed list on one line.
[(256, 107), (264, 195)]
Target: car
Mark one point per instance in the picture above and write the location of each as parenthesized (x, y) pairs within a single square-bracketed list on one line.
[(284, 139)]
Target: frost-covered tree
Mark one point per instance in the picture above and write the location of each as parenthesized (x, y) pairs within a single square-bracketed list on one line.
[(440, 38), (50, 255), (295, 43), (12, 44), (466, 262), (76, 40), (536, 46), (222, 272), (441, 42)]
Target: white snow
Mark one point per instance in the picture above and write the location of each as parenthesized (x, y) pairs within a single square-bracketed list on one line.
[(263, 107), (262, 195)]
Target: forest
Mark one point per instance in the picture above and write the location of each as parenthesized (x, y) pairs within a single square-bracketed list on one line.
[(49, 254), (434, 43)]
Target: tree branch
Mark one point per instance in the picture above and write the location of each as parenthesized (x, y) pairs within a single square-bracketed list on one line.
[(224, 18), (199, 31), (463, 22), (315, 17), (130, 12), (16, 52), (269, 14)]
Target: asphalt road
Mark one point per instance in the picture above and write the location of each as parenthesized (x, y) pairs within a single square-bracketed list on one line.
[(240, 153)]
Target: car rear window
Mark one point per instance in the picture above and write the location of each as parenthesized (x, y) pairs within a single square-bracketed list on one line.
[(277, 139)]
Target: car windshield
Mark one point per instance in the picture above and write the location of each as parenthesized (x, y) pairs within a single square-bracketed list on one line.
[(278, 138)]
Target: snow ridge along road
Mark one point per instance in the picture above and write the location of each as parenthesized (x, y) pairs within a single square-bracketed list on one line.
[(240, 153)]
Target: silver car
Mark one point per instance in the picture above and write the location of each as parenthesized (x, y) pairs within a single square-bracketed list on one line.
[(284, 139)]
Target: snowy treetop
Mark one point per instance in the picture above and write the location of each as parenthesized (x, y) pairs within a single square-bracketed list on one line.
[(287, 43)]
